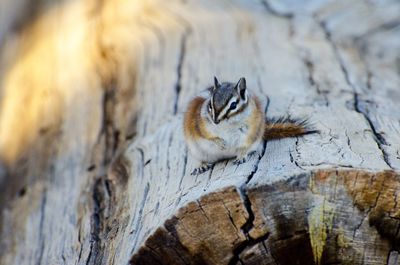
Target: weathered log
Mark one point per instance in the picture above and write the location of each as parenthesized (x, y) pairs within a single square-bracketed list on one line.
[(105, 179)]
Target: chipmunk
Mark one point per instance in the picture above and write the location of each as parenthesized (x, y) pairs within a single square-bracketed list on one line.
[(226, 121)]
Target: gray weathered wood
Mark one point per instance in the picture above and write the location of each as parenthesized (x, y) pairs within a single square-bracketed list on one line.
[(105, 179)]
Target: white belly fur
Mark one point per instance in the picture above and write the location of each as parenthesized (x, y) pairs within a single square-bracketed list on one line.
[(233, 132)]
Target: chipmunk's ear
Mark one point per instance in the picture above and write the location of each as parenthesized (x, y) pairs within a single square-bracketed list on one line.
[(216, 83), (242, 88)]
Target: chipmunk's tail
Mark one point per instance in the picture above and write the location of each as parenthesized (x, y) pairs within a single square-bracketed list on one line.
[(286, 127)]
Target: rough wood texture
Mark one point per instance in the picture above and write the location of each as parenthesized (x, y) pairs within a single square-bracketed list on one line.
[(103, 177)]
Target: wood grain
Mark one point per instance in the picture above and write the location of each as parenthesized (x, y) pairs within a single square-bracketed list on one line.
[(94, 168)]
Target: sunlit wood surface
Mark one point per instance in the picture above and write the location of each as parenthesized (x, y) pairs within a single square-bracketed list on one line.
[(93, 166)]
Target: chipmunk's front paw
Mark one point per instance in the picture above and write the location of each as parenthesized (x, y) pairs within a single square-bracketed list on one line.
[(240, 161), (202, 168), (244, 159)]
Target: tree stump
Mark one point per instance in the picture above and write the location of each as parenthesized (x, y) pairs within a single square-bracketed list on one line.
[(94, 168)]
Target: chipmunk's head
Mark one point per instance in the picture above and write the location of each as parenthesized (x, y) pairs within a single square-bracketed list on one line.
[(227, 99)]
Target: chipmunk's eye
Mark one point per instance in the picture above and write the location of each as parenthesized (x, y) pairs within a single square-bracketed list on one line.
[(209, 108), (233, 106)]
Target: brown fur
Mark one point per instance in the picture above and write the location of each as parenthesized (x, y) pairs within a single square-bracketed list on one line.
[(285, 127), (256, 122), (194, 126)]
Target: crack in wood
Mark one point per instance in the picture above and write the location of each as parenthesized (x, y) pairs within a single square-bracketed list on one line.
[(185, 160), (395, 198), (249, 224), (358, 226), (230, 216), (155, 255), (168, 158), (138, 227), (327, 164), (96, 222), (109, 137), (248, 243), (80, 243), (41, 222), (109, 131), (267, 6), (379, 139), (292, 160), (351, 148), (202, 210), (310, 69), (386, 26), (297, 154), (395, 260), (181, 58), (141, 152), (274, 12)]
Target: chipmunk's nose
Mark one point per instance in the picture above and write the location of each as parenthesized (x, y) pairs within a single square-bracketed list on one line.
[(216, 121)]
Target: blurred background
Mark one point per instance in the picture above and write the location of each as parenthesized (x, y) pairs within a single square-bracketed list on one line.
[(74, 76)]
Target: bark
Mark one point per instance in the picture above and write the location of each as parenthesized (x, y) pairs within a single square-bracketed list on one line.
[(94, 169)]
